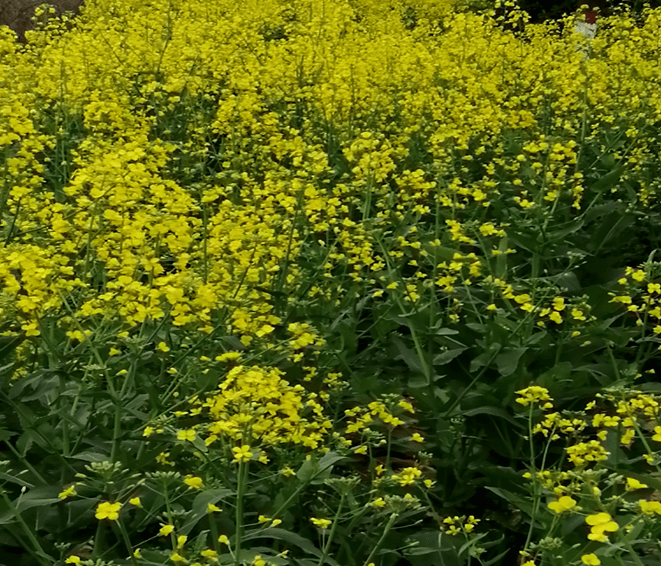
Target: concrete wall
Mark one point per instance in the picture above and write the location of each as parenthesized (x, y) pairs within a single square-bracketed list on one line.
[(17, 14)]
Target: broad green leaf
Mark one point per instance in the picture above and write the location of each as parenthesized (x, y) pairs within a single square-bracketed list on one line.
[(409, 356), (508, 360), (519, 502), (201, 503), (285, 535), (448, 356), (491, 410)]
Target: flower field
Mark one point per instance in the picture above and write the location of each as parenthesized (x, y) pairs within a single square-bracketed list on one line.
[(329, 282)]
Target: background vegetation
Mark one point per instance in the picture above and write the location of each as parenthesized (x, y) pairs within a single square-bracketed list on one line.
[(329, 282)]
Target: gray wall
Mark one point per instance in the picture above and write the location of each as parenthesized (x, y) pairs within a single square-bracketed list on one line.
[(17, 14)]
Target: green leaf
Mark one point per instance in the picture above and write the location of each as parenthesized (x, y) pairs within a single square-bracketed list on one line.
[(42, 496), (519, 502), (445, 331), (316, 472), (608, 181), (201, 503), (491, 410), (483, 359), (289, 537), (91, 457), (408, 355), (570, 227), (448, 356), (508, 361)]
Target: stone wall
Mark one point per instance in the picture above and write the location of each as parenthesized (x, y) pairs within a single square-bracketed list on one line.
[(17, 14)]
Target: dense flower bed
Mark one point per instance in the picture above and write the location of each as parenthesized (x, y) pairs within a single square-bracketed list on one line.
[(329, 282)]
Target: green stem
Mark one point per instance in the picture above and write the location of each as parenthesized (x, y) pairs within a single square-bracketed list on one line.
[(25, 462), (214, 533), (389, 525), (426, 370), (537, 495), (98, 541), (332, 532), (127, 541), (388, 449), (37, 550), (636, 558), (240, 491), (645, 443), (298, 490)]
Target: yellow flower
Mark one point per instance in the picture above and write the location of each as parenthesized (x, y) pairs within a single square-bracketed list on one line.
[(241, 454), (590, 559), (181, 540), (407, 476), (558, 303), (650, 507), (263, 519), (108, 510), (638, 275), (633, 484), (73, 559), (323, 524), (657, 434), (176, 557), (577, 314), (162, 346), (166, 530), (532, 394), (137, 553), (71, 491), (601, 522), (223, 539), (287, 471), (210, 553), (135, 501), (561, 505), (417, 437), (194, 482), (186, 435), (360, 450), (213, 508), (228, 356), (555, 317), (379, 502)]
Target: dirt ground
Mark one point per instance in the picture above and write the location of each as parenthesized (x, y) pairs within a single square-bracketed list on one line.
[(17, 14)]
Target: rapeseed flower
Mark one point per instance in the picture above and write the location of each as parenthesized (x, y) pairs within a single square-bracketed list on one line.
[(70, 491), (633, 484), (186, 435), (323, 524), (533, 394), (600, 524), (241, 454), (650, 507), (166, 529), (561, 505), (194, 482), (108, 510)]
